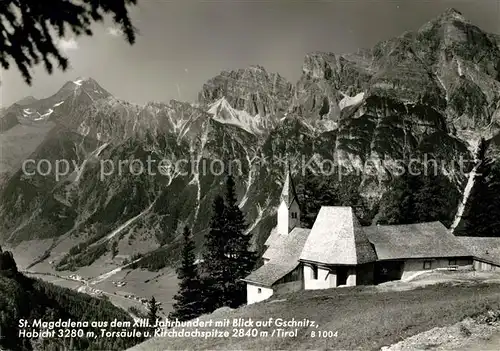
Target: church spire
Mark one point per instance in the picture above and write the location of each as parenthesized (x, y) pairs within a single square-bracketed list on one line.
[(288, 194), (289, 210)]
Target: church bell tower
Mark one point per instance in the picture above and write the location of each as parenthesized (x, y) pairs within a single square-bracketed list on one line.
[(288, 210)]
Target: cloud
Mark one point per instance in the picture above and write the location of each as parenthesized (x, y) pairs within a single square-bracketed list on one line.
[(68, 44), (114, 31)]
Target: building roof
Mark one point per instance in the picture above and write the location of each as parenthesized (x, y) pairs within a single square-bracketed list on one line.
[(487, 249), (287, 247), (272, 237), (420, 240), (337, 238), (283, 256), (269, 273)]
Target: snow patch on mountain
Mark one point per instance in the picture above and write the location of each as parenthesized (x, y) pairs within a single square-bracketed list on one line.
[(260, 212), (78, 82), (27, 112), (468, 187), (223, 112), (459, 68), (351, 100), (83, 129), (249, 181), (440, 80), (196, 175), (59, 103), (45, 115)]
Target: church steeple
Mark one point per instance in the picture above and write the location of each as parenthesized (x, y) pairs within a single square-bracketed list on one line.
[(288, 194), (289, 210)]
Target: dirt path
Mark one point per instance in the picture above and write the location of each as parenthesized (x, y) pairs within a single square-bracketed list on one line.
[(467, 335), (485, 345)]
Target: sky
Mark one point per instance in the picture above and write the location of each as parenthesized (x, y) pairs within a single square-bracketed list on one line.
[(183, 43)]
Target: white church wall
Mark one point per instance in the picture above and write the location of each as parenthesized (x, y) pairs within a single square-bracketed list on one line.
[(325, 278), (415, 267), (351, 277), (294, 216), (485, 266), (257, 293), (283, 219)]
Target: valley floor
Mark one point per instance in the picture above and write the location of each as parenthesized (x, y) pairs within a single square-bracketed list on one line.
[(125, 288), (366, 318)]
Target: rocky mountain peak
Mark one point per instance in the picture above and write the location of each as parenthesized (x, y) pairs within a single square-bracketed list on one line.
[(252, 89), (452, 13), (88, 85), (257, 68), (430, 91)]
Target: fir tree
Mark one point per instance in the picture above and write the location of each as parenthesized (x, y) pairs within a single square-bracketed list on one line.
[(152, 312), (188, 303), (214, 259), (33, 41), (398, 204), (419, 197), (313, 192), (436, 199), (227, 256), (240, 258)]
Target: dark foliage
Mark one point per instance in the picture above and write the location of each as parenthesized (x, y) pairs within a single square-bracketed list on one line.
[(114, 249), (26, 298), (416, 197), (85, 258), (162, 257), (214, 259), (26, 34), (314, 191), (227, 256), (241, 260), (188, 303), (8, 265), (152, 311)]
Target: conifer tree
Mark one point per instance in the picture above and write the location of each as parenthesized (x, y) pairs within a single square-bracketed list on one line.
[(215, 265), (227, 256), (436, 199), (30, 30), (152, 312), (398, 203), (313, 192), (188, 303), (419, 197), (240, 258)]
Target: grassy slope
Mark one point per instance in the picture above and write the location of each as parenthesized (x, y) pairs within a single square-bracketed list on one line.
[(364, 317)]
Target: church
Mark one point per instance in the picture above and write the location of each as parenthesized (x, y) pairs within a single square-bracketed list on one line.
[(337, 251)]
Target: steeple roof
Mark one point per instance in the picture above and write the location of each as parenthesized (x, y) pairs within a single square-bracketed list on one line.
[(288, 194)]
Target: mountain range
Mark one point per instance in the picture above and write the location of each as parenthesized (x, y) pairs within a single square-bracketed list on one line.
[(430, 92)]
